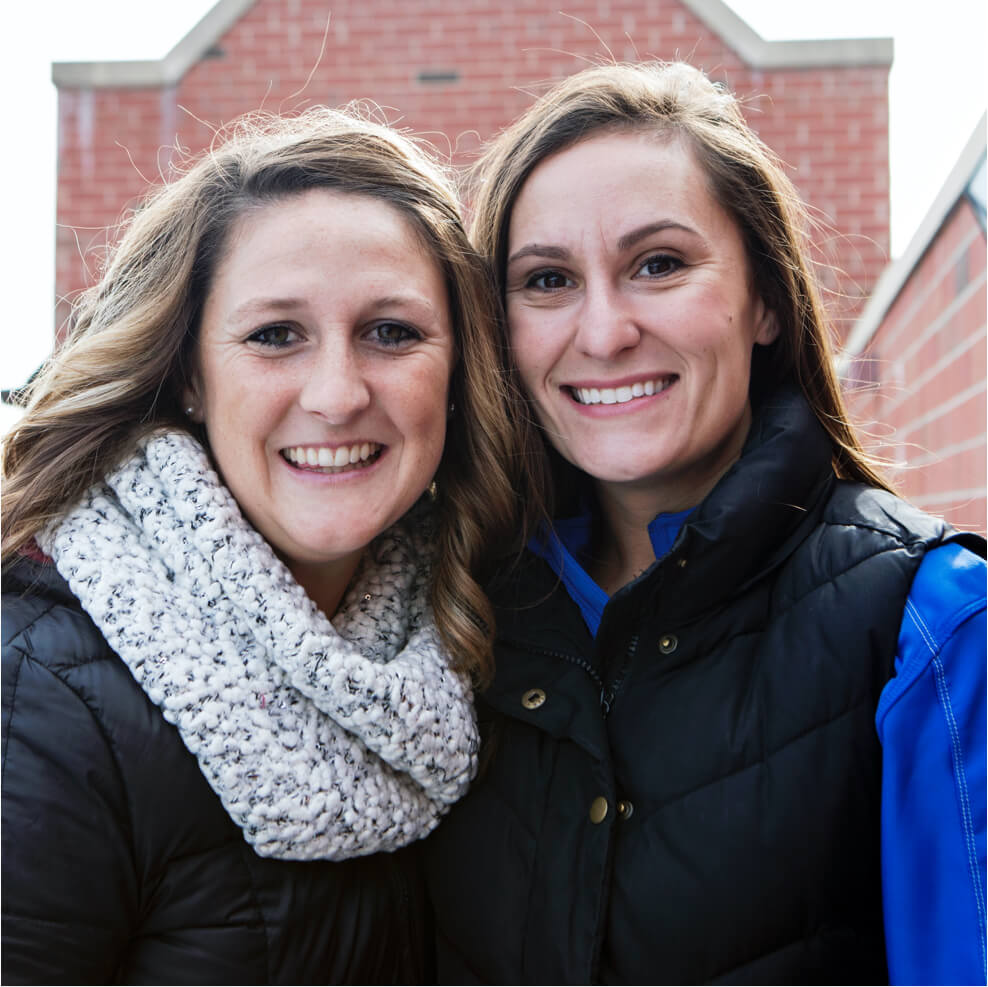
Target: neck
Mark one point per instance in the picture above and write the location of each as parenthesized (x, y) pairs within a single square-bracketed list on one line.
[(624, 549), (325, 582)]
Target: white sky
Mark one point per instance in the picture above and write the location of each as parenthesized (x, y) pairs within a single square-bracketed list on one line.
[(938, 89)]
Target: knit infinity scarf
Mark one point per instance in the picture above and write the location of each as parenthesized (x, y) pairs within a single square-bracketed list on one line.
[(323, 740)]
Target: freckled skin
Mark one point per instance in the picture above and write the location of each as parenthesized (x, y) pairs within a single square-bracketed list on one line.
[(327, 324)]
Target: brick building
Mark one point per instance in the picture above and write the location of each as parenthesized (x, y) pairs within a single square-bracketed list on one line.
[(459, 72), (915, 360)]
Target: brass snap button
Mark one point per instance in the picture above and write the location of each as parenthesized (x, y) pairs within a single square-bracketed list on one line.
[(533, 699), (625, 809), (598, 809), (668, 643)]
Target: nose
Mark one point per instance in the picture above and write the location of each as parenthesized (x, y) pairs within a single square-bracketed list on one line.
[(335, 387), (605, 322)]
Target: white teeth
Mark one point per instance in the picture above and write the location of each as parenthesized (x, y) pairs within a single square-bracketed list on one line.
[(326, 458), (620, 395)]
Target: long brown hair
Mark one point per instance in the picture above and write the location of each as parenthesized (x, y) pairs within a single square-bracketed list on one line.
[(674, 99), (128, 358)]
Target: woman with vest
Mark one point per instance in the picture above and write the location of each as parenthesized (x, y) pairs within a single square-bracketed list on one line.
[(239, 625), (737, 728)]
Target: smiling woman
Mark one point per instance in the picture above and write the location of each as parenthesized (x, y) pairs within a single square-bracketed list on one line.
[(737, 730), (322, 376), (634, 340), (239, 634)]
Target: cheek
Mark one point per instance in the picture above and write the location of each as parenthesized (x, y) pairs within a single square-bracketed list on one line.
[(420, 401), (532, 348)]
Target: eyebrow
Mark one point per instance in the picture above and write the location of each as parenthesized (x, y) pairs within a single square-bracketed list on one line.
[(624, 242), (636, 236), (259, 306), (255, 306), (539, 250)]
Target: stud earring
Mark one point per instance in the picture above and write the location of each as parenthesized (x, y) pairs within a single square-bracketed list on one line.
[(433, 491), (190, 410), (452, 408)]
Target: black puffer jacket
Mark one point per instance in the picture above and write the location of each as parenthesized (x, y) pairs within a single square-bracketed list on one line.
[(693, 796), (120, 864)]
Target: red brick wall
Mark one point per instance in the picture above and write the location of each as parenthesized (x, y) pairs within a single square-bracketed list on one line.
[(830, 125), (926, 407)]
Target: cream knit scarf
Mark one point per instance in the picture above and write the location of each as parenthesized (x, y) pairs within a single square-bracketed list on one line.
[(323, 740)]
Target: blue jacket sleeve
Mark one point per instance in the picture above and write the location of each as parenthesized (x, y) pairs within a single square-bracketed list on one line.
[(932, 725)]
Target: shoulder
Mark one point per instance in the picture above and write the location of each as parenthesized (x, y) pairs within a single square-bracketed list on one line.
[(864, 540), (881, 513), (65, 688), (949, 589), (866, 525), (44, 622), (943, 629), (77, 728), (62, 683)]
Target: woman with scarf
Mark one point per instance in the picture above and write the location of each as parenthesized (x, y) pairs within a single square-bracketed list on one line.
[(737, 728), (239, 625)]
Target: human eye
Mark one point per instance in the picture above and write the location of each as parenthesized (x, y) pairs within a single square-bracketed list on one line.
[(393, 334), (547, 280), (274, 336), (658, 265)]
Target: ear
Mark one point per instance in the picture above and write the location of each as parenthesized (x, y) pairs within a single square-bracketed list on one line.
[(766, 325)]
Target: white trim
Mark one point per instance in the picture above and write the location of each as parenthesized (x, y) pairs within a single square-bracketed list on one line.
[(761, 54), (155, 73), (733, 31), (896, 274)]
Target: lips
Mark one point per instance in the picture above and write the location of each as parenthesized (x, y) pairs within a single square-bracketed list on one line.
[(621, 394), (333, 459)]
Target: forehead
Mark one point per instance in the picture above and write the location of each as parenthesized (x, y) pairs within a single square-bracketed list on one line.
[(325, 216), (323, 239), (613, 179)]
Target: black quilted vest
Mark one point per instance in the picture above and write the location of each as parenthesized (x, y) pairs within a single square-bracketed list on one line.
[(694, 796)]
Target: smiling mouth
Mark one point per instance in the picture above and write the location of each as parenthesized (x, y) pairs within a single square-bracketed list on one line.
[(342, 459), (623, 394)]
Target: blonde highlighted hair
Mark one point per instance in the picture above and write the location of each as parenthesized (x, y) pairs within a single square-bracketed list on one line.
[(673, 100), (129, 355)]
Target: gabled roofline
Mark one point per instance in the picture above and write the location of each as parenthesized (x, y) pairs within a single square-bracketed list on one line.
[(749, 45), (159, 72), (896, 274), (758, 53)]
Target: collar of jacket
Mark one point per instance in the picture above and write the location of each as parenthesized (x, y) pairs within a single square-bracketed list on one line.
[(748, 525), (752, 521)]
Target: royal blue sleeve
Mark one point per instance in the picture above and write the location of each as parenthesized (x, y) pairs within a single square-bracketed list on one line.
[(931, 722)]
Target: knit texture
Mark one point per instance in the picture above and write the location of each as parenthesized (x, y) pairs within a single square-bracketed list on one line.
[(322, 740)]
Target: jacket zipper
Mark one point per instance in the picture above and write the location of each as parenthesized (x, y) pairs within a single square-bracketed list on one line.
[(607, 695), (579, 662)]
